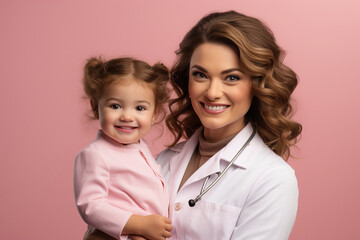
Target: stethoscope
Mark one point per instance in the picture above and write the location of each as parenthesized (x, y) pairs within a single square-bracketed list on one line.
[(204, 190)]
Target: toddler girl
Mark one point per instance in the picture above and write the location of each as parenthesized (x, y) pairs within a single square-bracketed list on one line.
[(118, 185)]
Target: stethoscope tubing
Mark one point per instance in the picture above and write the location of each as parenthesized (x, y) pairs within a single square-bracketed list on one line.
[(220, 174)]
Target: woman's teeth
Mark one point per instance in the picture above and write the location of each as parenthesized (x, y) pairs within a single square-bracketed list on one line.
[(215, 108)]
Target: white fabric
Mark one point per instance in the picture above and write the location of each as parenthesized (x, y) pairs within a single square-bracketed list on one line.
[(256, 199)]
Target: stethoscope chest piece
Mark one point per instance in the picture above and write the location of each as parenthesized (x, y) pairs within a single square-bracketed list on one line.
[(204, 189)]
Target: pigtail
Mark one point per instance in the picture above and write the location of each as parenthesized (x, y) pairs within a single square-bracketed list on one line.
[(94, 67), (94, 73), (162, 72), (161, 90)]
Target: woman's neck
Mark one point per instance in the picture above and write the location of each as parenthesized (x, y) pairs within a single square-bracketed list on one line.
[(216, 135)]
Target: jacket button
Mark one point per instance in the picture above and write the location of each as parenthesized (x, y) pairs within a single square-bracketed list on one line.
[(177, 206)]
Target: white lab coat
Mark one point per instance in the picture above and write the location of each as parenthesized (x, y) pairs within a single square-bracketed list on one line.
[(256, 199)]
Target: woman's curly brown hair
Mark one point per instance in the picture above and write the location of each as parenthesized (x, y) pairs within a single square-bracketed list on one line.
[(260, 58)]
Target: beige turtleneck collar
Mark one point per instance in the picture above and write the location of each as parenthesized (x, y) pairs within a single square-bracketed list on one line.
[(202, 153)]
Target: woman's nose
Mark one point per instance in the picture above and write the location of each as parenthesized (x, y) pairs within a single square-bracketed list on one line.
[(214, 90)]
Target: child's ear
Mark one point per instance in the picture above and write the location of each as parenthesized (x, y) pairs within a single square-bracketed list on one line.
[(94, 107), (154, 117), (92, 104)]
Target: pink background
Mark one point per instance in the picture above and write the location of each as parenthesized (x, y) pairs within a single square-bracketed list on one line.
[(43, 47)]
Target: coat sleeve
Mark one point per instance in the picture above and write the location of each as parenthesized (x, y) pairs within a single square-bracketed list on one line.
[(91, 186), (270, 210)]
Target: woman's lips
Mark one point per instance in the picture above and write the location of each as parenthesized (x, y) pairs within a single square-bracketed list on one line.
[(214, 108)]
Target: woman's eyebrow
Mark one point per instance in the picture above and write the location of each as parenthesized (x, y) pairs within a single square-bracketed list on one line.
[(223, 72), (200, 68), (231, 70)]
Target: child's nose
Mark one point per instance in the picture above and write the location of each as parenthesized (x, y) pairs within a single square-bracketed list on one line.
[(126, 116)]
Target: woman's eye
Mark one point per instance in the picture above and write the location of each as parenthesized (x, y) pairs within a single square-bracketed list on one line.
[(199, 75), (115, 106), (140, 108), (233, 78)]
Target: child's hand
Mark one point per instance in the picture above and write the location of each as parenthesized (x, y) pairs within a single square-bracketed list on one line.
[(152, 227), (156, 227)]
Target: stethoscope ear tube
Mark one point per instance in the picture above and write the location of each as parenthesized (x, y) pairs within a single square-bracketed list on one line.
[(204, 190)]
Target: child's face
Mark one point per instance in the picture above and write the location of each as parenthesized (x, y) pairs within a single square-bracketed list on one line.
[(127, 110)]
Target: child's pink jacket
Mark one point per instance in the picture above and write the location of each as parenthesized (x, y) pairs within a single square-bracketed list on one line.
[(112, 181)]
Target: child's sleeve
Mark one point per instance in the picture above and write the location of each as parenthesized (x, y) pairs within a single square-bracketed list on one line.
[(91, 181)]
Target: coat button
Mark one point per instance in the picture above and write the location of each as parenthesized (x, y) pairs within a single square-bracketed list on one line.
[(177, 206)]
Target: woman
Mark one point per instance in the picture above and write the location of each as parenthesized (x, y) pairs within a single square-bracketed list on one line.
[(233, 110)]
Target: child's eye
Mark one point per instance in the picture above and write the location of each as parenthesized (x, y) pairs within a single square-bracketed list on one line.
[(199, 75), (140, 108), (232, 78), (115, 106)]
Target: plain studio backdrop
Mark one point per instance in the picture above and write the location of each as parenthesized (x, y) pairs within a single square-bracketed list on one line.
[(44, 123)]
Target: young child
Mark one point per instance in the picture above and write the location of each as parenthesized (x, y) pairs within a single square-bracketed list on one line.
[(118, 185)]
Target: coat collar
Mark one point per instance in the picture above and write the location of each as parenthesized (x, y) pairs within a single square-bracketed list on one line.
[(186, 149), (231, 149), (179, 164)]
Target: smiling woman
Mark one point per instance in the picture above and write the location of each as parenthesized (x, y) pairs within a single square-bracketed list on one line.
[(220, 92), (233, 108)]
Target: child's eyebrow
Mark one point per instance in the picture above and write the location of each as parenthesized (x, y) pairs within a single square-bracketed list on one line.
[(113, 99), (119, 100), (143, 101)]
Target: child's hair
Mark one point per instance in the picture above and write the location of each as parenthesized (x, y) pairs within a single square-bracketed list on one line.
[(99, 74)]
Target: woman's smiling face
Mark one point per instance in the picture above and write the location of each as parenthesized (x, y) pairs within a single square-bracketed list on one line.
[(220, 92)]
